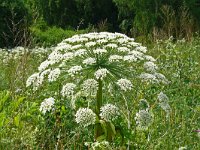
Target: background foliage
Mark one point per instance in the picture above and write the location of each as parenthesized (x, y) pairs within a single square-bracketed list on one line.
[(149, 19)]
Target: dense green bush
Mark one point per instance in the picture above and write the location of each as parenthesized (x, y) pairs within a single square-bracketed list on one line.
[(44, 35)]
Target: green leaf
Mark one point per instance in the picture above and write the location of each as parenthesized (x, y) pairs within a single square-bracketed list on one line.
[(17, 120)]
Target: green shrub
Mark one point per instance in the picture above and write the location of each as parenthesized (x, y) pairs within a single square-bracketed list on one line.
[(44, 35)]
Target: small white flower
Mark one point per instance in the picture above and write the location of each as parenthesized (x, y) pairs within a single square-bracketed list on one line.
[(68, 56), (89, 61), (44, 65), (32, 79), (182, 148), (150, 67), (123, 49), (125, 84), (130, 58), (141, 49), (163, 102), (53, 75), (161, 78), (150, 58), (90, 87), (109, 112), (99, 51), (115, 58), (68, 90), (147, 77), (89, 44), (47, 105), (85, 117), (101, 73), (111, 45), (55, 57), (143, 119), (80, 52), (74, 70), (75, 47)]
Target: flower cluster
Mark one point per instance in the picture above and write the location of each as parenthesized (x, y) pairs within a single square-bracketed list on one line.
[(47, 105), (125, 84), (68, 90), (163, 102), (109, 112), (85, 117), (101, 73), (90, 87), (143, 119)]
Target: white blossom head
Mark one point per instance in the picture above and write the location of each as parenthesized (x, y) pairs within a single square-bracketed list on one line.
[(109, 112), (85, 117), (150, 66), (125, 84), (143, 119), (90, 87), (101, 73), (47, 105), (68, 90), (164, 103)]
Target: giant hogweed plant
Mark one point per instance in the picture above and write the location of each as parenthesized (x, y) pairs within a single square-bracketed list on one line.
[(100, 68)]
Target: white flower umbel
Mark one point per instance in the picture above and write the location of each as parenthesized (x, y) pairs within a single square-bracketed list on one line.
[(115, 58), (53, 75), (80, 52), (47, 105), (147, 77), (163, 102), (85, 117), (68, 90), (44, 65), (109, 112), (74, 70), (123, 49), (89, 61), (35, 80), (99, 51), (150, 66), (143, 119), (124, 84), (90, 87), (32, 79), (101, 73)]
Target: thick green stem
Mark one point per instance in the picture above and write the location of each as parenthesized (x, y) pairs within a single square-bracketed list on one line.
[(98, 130)]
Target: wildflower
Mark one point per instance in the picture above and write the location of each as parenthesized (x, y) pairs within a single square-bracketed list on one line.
[(44, 65), (90, 87), (125, 84), (80, 52), (150, 66), (89, 44), (85, 117), (111, 45), (115, 58), (109, 112), (101, 73), (163, 102), (74, 70), (68, 89), (47, 105), (143, 119), (130, 58), (99, 51), (68, 56), (148, 77), (123, 49), (89, 61), (182, 148), (53, 75)]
